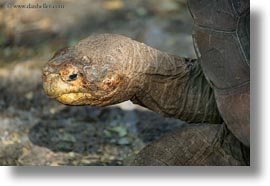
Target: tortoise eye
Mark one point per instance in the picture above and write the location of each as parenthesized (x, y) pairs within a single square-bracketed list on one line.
[(72, 77)]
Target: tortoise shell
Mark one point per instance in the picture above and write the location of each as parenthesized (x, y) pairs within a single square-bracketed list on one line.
[(222, 42)]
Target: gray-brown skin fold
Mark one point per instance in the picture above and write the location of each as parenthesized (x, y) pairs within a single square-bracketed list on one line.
[(173, 86)]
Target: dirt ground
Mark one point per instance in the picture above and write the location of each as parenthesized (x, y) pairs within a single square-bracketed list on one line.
[(36, 130)]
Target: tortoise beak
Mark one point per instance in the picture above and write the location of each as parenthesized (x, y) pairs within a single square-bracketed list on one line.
[(49, 81)]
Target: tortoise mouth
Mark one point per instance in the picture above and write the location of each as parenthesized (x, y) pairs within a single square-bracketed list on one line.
[(77, 99), (64, 91)]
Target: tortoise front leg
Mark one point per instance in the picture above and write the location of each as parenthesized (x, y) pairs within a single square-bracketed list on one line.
[(195, 145)]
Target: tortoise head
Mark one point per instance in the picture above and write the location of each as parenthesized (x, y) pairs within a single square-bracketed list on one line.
[(89, 73)]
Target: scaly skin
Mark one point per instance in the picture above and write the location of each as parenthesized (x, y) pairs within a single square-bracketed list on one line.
[(111, 69), (195, 144), (108, 69)]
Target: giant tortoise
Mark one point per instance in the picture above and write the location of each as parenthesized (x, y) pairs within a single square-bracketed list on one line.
[(211, 92)]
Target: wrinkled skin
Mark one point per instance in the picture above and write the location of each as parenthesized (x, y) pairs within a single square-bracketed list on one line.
[(195, 144), (107, 69)]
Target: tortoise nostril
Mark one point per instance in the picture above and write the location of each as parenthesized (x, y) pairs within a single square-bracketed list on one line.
[(72, 77)]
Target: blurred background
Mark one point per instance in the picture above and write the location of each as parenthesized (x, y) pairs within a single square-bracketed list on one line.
[(36, 130)]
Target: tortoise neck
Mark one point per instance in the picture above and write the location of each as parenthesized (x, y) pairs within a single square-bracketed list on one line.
[(172, 86)]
